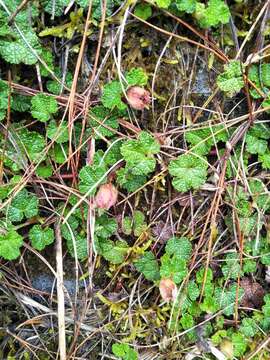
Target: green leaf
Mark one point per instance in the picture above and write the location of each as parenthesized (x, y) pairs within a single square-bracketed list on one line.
[(200, 275), (239, 344), (22, 18), (124, 351), (231, 80), (213, 14), (24, 204), (47, 57), (20, 103), (81, 246), (249, 266), (129, 181), (3, 99), (106, 118), (143, 11), (231, 269), (260, 130), (148, 265), (90, 176), (265, 160), (163, 3), (139, 223), (56, 7), (113, 154), (138, 154), (226, 298), (136, 76), (187, 321), (33, 142), (112, 96), (265, 74), (260, 194), (17, 51), (43, 106), (44, 171), (248, 327), (209, 304), (54, 86), (114, 252), (10, 242), (59, 153), (68, 230), (255, 145), (149, 145), (41, 237), (105, 226), (173, 267), (189, 172), (57, 133), (189, 6), (180, 246), (6, 188), (193, 290), (127, 225), (203, 139)]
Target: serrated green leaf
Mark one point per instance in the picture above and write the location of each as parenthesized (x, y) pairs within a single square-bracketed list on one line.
[(173, 267), (136, 76), (143, 11), (59, 153), (20, 103), (3, 99), (265, 160), (226, 298), (41, 237), (105, 226), (231, 268), (58, 133), (56, 7), (265, 74), (106, 118), (34, 144), (179, 246), (114, 252), (112, 96), (81, 246), (124, 351), (43, 106), (138, 154), (129, 181), (163, 3), (239, 344), (54, 86), (189, 172), (255, 145), (260, 194), (148, 265), (216, 12), (10, 242), (193, 290), (17, 51), (231, 80), (90, 176), (23, 205), (189, 6), (44, 171), (187, 321)]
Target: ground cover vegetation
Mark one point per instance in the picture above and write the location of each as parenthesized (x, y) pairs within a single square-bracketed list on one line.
[(134, 179)]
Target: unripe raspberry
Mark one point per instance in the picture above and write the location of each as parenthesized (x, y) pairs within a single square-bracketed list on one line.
[(106, 196), (168, 290), (138, 98)]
